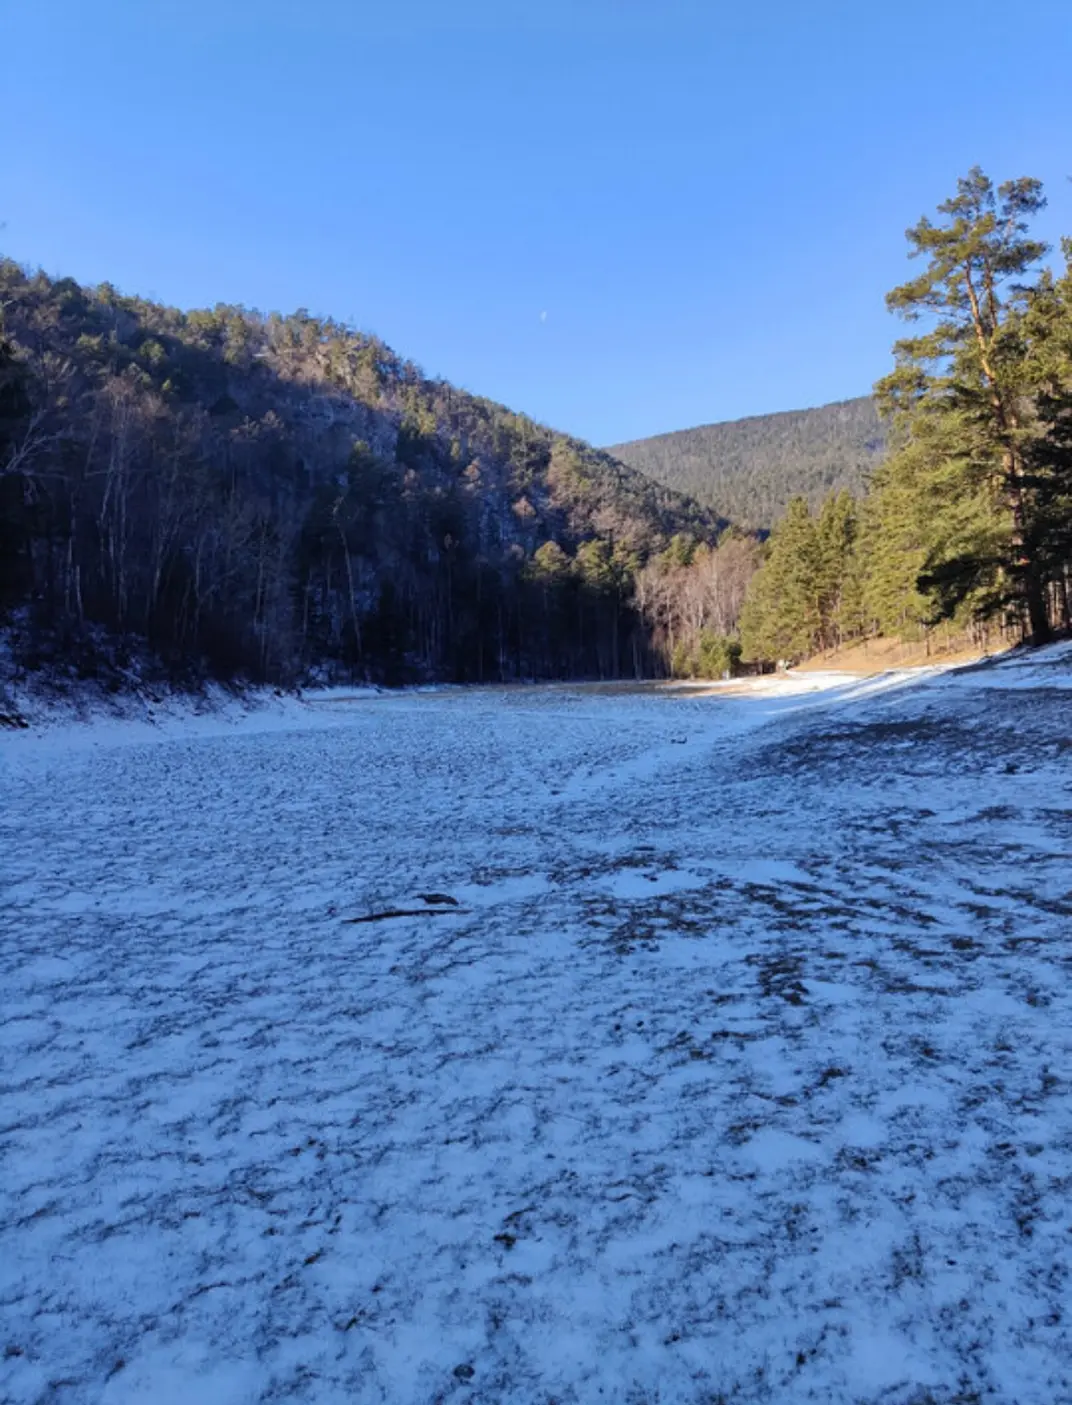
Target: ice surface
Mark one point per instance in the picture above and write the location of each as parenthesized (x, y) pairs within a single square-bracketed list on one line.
[(739, 1072)]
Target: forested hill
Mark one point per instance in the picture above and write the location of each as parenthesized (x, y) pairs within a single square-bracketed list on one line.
[(749, 469), (282, 497)]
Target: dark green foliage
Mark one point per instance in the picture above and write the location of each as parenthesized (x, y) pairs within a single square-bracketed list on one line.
[(749, 469), (782, 617), (285, 498), (719, 656), (809, 594)]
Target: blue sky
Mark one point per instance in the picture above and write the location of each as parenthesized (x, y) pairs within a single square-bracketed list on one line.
[(620, 217)]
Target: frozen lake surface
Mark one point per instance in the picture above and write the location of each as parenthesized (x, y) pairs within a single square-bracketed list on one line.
[(738, 1068)]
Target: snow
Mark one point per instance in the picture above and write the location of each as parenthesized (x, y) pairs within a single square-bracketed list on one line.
[(739, 1070)]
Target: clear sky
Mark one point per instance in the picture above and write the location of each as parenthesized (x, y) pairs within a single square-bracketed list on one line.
[(621, 216)]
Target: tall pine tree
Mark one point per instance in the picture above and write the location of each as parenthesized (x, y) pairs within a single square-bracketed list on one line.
[(782, 616), (958, 395)]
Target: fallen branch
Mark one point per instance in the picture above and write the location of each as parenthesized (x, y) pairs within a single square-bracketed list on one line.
[(407, 912)]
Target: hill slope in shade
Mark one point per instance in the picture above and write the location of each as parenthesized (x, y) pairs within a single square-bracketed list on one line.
[(748, 469), (285, 497)]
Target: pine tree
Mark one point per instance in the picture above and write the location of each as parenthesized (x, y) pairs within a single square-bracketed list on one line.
[(835, 533), (892, 552), (782, 616), (957, 395)]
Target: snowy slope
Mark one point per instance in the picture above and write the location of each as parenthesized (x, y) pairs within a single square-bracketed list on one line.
[(740, 1071)]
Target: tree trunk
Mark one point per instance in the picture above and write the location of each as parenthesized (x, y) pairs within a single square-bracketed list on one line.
[(1032, 587), (1035, 599)]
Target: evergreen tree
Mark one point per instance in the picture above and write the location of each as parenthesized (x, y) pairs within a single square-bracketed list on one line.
[(891, 553), (782, 616), (957, 395), (835, 533)]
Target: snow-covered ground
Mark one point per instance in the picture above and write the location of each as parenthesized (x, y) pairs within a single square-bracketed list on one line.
[(738, 1070)]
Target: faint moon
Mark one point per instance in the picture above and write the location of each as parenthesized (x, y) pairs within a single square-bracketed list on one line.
[(543, 316)]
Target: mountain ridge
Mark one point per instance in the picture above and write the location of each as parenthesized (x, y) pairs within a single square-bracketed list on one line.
[(747, 469)]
